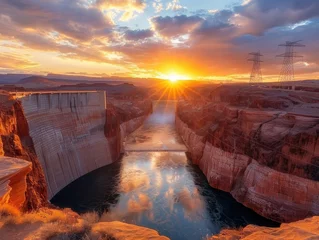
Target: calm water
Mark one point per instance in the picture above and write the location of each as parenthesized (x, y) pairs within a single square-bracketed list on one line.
[(155, 185)]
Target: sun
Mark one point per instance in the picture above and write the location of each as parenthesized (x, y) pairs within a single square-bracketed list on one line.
[(173, 77)]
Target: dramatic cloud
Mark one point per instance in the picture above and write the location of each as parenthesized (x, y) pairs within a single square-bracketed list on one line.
[(135, 35), (137, 5), (175, 26), (256, 16), (15, 61), (130, 7), (66, 17), (161, 36)]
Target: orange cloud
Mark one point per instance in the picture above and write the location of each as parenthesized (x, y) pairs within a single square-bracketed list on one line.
[(15, 61)]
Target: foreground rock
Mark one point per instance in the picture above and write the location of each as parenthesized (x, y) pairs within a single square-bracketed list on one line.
[(301, 230), (124, 231), (65, 224), (13, 184), (260, 145)]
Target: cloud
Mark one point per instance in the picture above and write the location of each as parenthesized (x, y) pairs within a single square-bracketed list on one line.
[(135, 5), (174, 6), (203, 42), (158, 6), (257, 16), (15, 61), (129, 7), (215, 29), (66, 17), (135, 35), (175, 26)]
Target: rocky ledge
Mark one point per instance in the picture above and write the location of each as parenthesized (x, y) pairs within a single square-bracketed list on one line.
[(13, 184), (301, 230), (261, 145)]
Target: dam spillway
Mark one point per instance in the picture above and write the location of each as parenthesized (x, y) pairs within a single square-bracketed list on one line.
[(155, 185)]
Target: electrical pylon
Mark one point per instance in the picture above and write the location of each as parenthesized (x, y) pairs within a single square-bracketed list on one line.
[(287, 73), (256, 76)]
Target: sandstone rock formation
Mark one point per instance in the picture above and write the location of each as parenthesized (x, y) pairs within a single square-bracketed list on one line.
[(301, 230), (13, 184), (260, 145), (124, 231), (57, 224)]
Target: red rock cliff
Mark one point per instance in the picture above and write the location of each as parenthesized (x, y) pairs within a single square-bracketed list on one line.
[(260, 145)]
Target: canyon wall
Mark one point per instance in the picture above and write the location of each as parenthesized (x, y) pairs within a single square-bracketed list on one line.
[(260, 147)]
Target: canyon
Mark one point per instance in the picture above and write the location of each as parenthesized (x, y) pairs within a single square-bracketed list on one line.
[(261, 145), (258, 144)]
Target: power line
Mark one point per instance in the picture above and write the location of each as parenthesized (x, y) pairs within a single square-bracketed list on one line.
[(256, 76), (287, 73)]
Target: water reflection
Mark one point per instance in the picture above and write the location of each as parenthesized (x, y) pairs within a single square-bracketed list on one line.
[(159, 190), (158, 132)]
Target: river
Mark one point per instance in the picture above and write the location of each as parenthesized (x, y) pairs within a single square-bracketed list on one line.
[(155, 185)]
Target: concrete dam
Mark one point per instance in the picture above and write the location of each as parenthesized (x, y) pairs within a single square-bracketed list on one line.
[(69, 134)]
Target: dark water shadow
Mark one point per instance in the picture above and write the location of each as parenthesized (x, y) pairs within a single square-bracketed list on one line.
[(95, 191), (224, 210)]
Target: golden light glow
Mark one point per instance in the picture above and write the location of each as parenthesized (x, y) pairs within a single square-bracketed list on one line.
[(174, 77)]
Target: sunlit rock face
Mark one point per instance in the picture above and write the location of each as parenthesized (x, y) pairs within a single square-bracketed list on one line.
[(15, 142), (301, 230), (262, 146), (13, 184), (120, 230)]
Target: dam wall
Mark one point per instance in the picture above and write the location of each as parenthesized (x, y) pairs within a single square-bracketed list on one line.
[(67, 130)]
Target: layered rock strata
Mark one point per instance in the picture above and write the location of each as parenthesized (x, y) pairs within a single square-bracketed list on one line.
[(13, 184), (302, 230), (261, 146)]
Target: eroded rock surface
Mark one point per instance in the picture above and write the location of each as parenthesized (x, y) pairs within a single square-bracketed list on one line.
[(13, 184), (301, 230), (260, 145)]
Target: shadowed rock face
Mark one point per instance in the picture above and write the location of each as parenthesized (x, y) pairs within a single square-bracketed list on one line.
[(260, 145)]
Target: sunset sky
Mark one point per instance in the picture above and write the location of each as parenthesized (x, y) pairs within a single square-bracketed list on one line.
[(202, 39)]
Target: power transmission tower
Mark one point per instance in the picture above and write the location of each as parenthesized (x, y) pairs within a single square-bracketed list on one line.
[(256, 76), (287, 72)]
